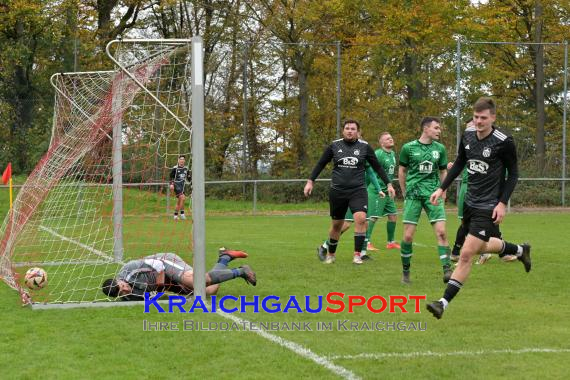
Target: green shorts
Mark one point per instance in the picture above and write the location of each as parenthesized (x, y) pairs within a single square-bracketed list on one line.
[(386, 206), (379, 207), (461, 199), (413, 209), (373, 200)]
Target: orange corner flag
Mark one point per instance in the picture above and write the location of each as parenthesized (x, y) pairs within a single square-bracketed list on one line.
[(7, 174)]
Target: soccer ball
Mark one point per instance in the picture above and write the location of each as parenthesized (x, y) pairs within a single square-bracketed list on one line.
[(36, 278)]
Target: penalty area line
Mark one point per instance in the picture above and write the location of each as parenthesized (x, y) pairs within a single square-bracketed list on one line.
[(406, 355), (297, 349)]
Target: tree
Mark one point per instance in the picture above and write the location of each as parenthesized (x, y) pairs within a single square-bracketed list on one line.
[(107, 27), (26, 64), (520, 70)]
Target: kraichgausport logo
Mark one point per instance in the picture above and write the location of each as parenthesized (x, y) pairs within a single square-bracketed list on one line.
[(333, 302)]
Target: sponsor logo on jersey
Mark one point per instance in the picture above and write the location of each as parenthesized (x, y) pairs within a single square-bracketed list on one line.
[(476, 166), (435, 154), (487, 152), (348, 161), (425, 167)]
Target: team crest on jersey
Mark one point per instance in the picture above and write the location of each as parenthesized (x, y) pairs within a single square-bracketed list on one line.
[(425, 167), (356, 152), (391, 169), (435, 154), (487, 152)]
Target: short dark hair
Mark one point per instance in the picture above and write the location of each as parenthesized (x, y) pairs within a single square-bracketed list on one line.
[(110, 287), (485, 103), (351, 121), (182, 156), (428, 120)]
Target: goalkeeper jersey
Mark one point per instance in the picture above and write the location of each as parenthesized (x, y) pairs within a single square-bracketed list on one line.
[(179, 175), (140, 275)]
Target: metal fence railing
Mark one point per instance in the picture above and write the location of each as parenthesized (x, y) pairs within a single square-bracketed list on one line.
[(527, 193)]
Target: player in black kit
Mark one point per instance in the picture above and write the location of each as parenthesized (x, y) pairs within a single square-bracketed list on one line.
[(491, 160), (179, 176), (348, 187)]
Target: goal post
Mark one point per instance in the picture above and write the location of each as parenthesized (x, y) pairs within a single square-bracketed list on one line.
[(96, 199), (198, 171)]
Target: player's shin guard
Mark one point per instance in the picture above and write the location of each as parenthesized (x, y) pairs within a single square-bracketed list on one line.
[(510, 249), (332, 245), (223, 262), (444, 256), (453, 287), (406, 255), (370, 228), (222, 275), (390, 230), (358, 241), (459, 239)]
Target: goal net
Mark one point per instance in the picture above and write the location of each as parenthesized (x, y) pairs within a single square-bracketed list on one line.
[(100, 195)]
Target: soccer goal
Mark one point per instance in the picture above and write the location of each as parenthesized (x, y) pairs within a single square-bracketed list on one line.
[(100, 196)]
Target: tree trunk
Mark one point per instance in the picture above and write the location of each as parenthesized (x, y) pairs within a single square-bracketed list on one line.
[(303, 134), (23, 105), (70, 40), (414, 85), (106, 28), (104, 9), (539, 89)]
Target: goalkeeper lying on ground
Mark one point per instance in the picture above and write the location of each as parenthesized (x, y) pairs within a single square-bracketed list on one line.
[(168, 272)]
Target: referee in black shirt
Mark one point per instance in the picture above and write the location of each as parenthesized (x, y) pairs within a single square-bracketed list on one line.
[(348, 186), (491, 160)]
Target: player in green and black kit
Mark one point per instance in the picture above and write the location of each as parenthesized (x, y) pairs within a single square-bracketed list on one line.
[(423, 162), (383, 206)]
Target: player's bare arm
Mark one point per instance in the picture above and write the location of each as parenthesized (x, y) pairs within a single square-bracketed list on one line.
[(402, 179)]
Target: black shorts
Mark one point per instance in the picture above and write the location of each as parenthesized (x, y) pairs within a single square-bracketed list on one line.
[(178, 189), (480, 223), (340, 201)]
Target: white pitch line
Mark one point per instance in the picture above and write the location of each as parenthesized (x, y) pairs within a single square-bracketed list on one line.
[(297, 349), (84, 246), (424, 245), (384, 355)]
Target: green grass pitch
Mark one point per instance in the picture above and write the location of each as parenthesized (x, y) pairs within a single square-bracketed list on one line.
[(504, 323)]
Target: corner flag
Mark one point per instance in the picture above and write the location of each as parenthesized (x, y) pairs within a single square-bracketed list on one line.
[(7, 177), (7, 174)]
